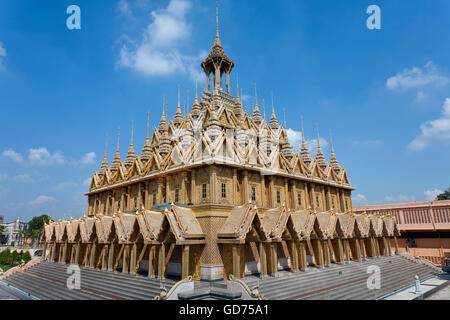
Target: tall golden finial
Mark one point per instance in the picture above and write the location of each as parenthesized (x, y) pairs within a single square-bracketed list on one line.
[(217, 41), (264, 109), (187, 102), (148, 125), (132, 132), (178, 96), (303, 131), (164, 104), (118, 139), (284, 115), (256, 98), (318, 136), (106, 146), (331, 141), (237, 86)]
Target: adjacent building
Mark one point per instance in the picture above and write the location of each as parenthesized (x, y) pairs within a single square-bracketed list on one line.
[(425, 227), (13, 235)]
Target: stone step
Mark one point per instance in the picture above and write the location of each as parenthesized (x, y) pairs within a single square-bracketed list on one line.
[(104, 286), (47, 290), (300, 287), (360, 291), (109, 277), (325, 278)]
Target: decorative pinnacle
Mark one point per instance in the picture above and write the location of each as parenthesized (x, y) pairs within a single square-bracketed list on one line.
[(148, 125), (303, 131), (331, 141), (217, 41), (237, 86), (256, 98), (318, 136), (132, 132)]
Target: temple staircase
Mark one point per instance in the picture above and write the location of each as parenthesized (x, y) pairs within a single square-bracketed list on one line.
[(47, 281), (344, 282)]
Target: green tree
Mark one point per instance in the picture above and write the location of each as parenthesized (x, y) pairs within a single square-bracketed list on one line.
[(14, 258), (444, 196), (36, 227), (26, 256)]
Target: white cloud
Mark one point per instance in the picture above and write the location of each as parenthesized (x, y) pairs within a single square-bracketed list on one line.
[(431, 195), (295, 138), (41, 200), (65, 185), (399, 198), (124, 7), (87, 182), (3, 54), (23, 178), (41, 156), (11, 154), (158, 53), (417, 77), (438, 129), (88, 158), (360, 199)]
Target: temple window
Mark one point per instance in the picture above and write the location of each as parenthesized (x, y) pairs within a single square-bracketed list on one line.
[(118, 204), (299, 199), (177, 195), (332, 203), (204, 191), (346, 204), (224, 190), (278, 196), (253, 194), (154, 198), (135, 202), (317, 201)]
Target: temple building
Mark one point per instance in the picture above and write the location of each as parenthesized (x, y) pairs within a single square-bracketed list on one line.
[(216, 192)]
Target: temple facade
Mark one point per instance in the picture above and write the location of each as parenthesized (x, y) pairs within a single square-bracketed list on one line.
[(218, 191)]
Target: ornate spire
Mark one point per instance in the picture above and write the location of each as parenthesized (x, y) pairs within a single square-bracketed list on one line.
[(163, 123), (178, 115), (304, 152), (104, 167), (333, 161), (217, 61), (131, 153), (217, 41), (320, 156), (256, 114), (273, 119), (146, 153), (196, 107), (116, 162)]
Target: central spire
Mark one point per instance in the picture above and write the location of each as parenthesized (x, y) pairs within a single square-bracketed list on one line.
[(217, 62), (217, 41)]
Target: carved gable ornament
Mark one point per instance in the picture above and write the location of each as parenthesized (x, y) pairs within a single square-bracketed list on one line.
[(389, 226), (240, 222), (73, 231), (376, 225), (60, 231), (87, 229), (345, 225), (49, 232), (362, 225), (183, 223), (303, 223), (127, 227), (104, 225), (151, 224), (325, 224)]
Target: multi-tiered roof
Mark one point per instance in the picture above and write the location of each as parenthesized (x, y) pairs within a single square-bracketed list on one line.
[(217, 129)]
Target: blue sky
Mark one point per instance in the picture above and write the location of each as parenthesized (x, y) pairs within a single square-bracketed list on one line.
[(382, 92)]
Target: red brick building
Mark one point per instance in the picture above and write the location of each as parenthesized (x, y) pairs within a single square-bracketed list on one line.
[(425, 227)]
